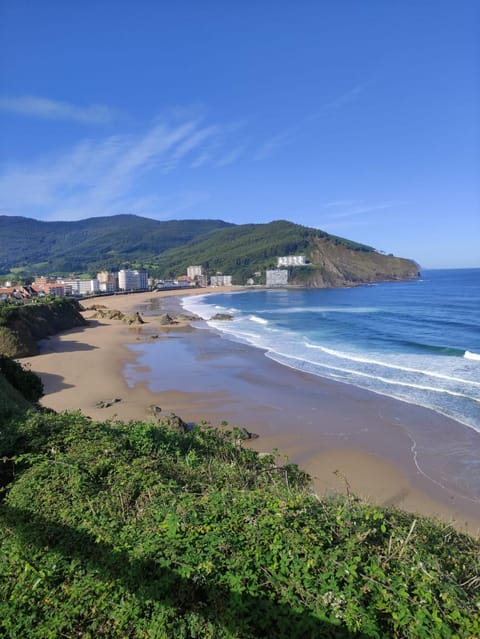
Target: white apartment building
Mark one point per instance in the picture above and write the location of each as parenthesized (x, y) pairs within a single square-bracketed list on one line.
[(107, 281), (194, 271), (291, 260), (132, 279), (221, 280), (278, 277), (80, 287)]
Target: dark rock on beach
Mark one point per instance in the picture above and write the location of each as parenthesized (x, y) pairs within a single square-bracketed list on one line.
[(175, 423), (107, 403)]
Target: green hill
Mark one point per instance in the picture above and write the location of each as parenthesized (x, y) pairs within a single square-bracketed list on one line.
[(33, 246), (243, 250), (166, 249)]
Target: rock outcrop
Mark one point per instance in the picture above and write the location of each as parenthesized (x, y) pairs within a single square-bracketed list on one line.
[(22, 326)]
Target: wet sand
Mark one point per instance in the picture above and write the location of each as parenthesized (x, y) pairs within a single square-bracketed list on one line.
[(346, 438)]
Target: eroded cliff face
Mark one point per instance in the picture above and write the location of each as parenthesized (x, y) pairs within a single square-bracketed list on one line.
[(23, 326), (334, 265)]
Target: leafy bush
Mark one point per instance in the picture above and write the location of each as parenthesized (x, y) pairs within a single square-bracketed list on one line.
[(27, 383), (133, 530)]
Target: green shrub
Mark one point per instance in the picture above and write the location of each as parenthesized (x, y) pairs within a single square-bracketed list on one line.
[(134, 530), (27, 383)]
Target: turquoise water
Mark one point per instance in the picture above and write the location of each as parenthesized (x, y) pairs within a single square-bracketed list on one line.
[(415, 341)]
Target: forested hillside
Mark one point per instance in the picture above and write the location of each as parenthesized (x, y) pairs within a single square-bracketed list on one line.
[(32, 246), (166, 249), (244, 250)]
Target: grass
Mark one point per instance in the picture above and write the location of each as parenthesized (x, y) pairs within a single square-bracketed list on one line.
[(134, 530)]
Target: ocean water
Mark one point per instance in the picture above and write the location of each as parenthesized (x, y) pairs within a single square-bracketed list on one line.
[(415, 341)]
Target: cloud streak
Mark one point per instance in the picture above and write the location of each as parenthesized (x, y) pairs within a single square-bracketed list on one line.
[(44, 108), (343, 209), (117, 174), (290, 134)]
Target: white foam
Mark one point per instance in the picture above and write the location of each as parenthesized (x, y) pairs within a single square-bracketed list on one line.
[(408, 369), (470, 355), (258, 320), (321, 309)]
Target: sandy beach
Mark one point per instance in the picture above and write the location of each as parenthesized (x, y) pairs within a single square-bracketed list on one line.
[(345, 437)]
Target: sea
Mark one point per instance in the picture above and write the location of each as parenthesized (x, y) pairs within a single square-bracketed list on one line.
[(416, 341)]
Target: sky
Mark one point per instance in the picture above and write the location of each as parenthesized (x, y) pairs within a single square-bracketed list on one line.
[(360, 118)]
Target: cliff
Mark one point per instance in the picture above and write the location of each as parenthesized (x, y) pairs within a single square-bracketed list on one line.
[(333, 264), (22, 326)]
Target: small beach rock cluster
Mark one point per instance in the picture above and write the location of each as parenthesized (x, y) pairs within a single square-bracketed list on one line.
[(170, 320), (113, 314), (107, 403), (222, 317)]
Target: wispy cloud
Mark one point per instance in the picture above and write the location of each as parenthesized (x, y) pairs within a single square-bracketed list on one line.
[(269, 147), (345, 98), (39, 107), (117, 174), (349, 209), (231, 156), (291, 133), (188, 145), (344, 216), (200, 160)]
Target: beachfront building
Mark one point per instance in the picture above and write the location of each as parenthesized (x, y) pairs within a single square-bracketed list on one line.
[(79, 286), (194, 271), (49, 286), (197, 275), (107, 281), (132, 279), (43, 282), (57, 289), (221, 280), (277, 277), (291, 260)]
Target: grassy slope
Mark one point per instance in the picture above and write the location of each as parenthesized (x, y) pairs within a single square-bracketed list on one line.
[(133, 530)]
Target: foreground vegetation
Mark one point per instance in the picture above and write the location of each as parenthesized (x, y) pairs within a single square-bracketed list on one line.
[(22, 325), (135, 530)]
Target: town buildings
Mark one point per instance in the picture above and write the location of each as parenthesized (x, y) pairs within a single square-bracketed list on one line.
[(277, 277), (132, 279), (78, 286), (107, 281), (197, 275), (291, 260), (221, 280)]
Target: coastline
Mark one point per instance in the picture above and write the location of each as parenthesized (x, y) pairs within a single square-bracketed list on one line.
[(345, 437)]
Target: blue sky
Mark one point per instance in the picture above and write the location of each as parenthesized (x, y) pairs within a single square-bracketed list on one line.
[(359, 118)]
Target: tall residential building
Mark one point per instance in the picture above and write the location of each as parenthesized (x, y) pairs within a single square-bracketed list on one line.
[(107, 281), (278, 277), (291, 260), (221, 280), (194, 271), (132, 279)]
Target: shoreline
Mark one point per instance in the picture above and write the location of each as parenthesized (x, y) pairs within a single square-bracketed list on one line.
[(362, 449)]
